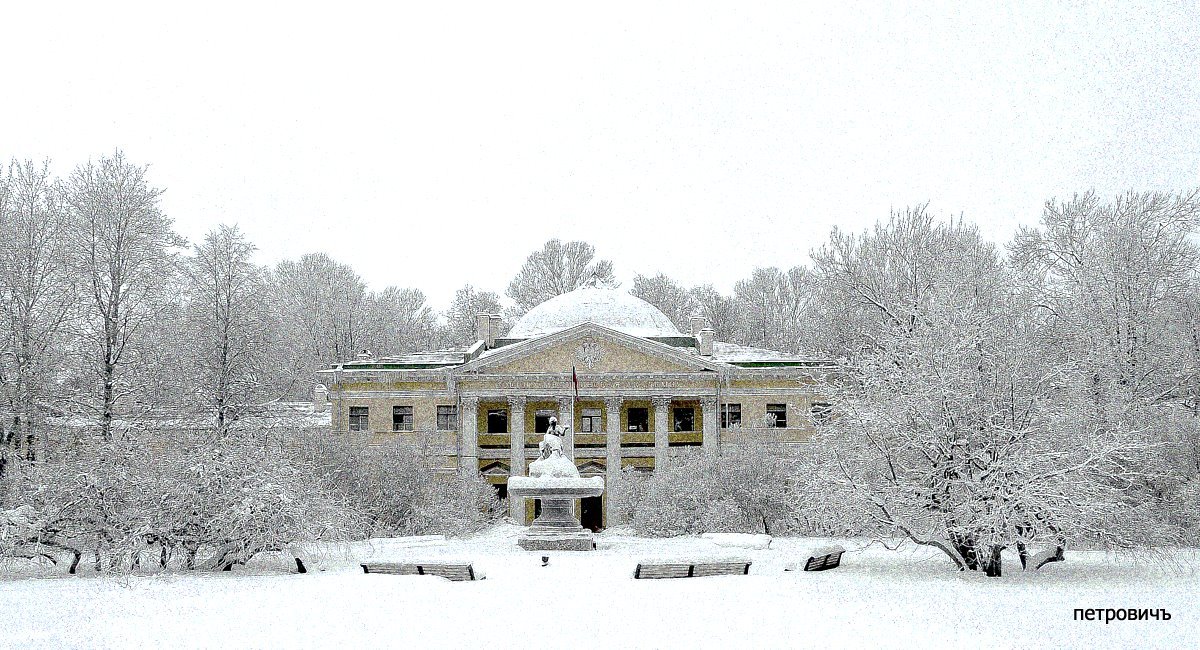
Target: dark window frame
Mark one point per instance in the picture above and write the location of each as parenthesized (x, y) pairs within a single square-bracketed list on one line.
[(644, 417), (780, 413), (445, 411), (497, 415), (731, 409), (676, 412), (399, 420), (360, 421)]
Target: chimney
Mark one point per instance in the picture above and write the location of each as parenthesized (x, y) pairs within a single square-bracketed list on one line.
[(497, 321), (697, 325), (483, 330), (704, 342)]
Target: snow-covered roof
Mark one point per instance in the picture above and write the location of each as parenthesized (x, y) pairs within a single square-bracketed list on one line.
[(734, 353), (610, 308)]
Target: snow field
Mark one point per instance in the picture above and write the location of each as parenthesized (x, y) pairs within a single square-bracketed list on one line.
[(877, 598)]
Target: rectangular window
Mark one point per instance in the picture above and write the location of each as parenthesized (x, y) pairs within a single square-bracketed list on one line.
[(685, 418), (358, 418), (777, 415), (638, 418), (497, 421), (589, 422), (731, 416), (447, 418), (541, 420), (402, 418)]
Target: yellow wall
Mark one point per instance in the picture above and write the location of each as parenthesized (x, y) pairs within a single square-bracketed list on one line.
[(614, 357)]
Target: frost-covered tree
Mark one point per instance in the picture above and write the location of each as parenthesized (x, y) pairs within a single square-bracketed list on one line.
[(772, 304), (720, 312), (955, 427), (676, 302), (229, 333), (556, 269), (320, 304), (123, 247), (460, 317), (36, 299), (398, 320)]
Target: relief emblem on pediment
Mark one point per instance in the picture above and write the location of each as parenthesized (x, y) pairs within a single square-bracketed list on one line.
[(589, 353)]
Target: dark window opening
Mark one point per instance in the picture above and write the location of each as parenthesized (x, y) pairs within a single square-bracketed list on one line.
[(497, 421), (541, 420), (402, 418), (501, 491), (447, 418), (731, 415), (589, 421), (638, 419), (685, 418), (777, 415), (358, 418)]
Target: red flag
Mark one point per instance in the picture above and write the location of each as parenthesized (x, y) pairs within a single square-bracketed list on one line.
[(575, 378)]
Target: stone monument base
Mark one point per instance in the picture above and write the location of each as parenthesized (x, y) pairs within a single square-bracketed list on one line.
[(556, 529), (582, 542)]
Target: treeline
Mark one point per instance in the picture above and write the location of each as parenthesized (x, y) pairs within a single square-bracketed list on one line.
[(1036, 395)]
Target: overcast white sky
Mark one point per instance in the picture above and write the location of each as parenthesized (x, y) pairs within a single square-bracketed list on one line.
[(696, 140)]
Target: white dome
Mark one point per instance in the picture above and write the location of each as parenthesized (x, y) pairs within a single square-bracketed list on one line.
[(606, 307)]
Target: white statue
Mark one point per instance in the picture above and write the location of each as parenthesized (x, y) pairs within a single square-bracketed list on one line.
[(551, 461)]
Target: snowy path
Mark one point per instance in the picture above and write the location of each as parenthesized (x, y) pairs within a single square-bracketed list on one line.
[(877, 598)]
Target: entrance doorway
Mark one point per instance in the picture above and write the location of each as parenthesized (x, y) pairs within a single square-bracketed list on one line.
[(591, 513)]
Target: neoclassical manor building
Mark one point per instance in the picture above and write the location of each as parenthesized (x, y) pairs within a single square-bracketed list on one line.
[(633, 390)]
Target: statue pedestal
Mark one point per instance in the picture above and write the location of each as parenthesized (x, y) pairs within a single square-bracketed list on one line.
[(556, 529)]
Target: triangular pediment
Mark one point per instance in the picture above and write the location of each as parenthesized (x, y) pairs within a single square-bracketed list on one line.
[(591, 349), (496, 468)]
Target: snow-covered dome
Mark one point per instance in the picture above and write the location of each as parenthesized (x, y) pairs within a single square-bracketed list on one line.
[(609, 308)]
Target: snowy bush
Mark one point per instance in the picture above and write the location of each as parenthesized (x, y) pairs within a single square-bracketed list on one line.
[(400, 491), (747, 488), (230, 501)]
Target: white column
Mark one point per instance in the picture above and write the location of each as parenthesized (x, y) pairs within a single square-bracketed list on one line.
[(468, 443), (612, 465), (516, 453), (662, 406), (566, 418), (712, 423)]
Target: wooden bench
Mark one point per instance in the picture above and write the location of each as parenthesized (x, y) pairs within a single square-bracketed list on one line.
[(659, 570), (455, 572), (824, 558)]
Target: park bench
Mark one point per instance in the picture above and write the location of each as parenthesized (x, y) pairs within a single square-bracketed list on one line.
[(455, 572), (829, 557), (686, 569)]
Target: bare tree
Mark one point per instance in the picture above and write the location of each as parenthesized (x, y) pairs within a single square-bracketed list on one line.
[(671, 299), (720, 312), (397, 321), (224, 298), (321, 305), (36, 298), (772, 304), (460, 317), (123, 245), (556, 269)]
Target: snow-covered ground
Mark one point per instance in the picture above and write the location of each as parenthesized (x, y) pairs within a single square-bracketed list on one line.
[(877, 598)]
